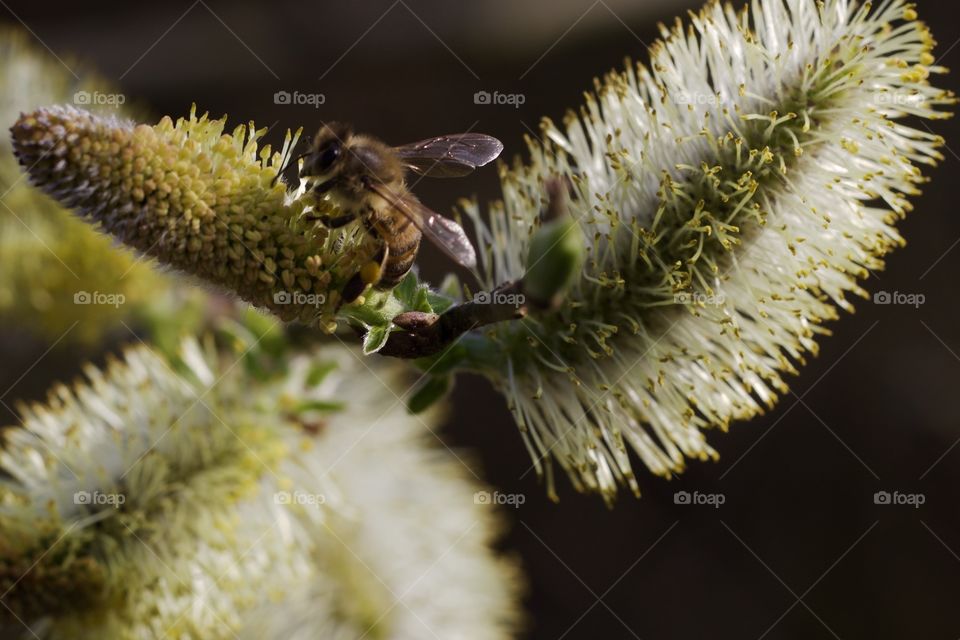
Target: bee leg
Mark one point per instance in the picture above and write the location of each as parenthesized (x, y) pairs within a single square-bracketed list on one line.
[(369, 273), (352, 290), (333, 223)]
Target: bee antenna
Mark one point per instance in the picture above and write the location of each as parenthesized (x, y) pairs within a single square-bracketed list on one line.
[(287, 166)]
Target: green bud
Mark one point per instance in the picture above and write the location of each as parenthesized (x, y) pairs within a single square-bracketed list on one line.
[(554, 261)]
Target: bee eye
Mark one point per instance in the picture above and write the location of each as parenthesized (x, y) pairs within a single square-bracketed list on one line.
[(328, 156)]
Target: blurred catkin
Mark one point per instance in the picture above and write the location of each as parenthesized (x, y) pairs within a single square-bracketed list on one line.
[(49, 259), (211, 497)]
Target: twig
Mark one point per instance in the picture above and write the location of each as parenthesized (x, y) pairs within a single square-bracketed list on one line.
[(426, 334)]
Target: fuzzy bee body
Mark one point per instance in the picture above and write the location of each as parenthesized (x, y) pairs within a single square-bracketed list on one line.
[(365, 179), (402, 240)]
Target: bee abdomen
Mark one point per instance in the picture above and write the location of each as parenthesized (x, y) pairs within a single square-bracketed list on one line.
[(398, 263)]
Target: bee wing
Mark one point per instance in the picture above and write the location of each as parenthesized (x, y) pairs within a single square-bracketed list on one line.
[(443, 232), (449, 156)]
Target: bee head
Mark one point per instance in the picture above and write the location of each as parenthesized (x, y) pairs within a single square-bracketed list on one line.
[(327, 149)]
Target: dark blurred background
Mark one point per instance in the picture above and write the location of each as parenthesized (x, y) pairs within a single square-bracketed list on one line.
[(799, 549)]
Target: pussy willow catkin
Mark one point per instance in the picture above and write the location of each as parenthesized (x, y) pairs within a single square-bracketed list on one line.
[(200, 499), (731, 193), (196, 199)]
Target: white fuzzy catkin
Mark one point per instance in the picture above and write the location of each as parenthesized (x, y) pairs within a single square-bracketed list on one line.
[(731, 194), (250, 508)]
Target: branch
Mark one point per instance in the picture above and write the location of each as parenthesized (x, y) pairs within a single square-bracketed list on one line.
[(426, 334)]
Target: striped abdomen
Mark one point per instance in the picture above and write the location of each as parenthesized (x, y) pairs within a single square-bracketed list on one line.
[(403, 240)]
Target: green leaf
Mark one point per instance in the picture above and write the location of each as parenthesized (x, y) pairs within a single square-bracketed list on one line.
[(378, 309), (434, 389), (238, 337), (422, 300), (406, 291), (318, 372), (375, 339), (447, 295), (267, 332), (438, 302), (416, 296)]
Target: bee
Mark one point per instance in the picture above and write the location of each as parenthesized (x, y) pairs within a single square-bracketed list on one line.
[(366, 179)]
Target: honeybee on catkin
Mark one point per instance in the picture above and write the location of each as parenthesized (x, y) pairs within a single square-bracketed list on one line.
[(366, 180)]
